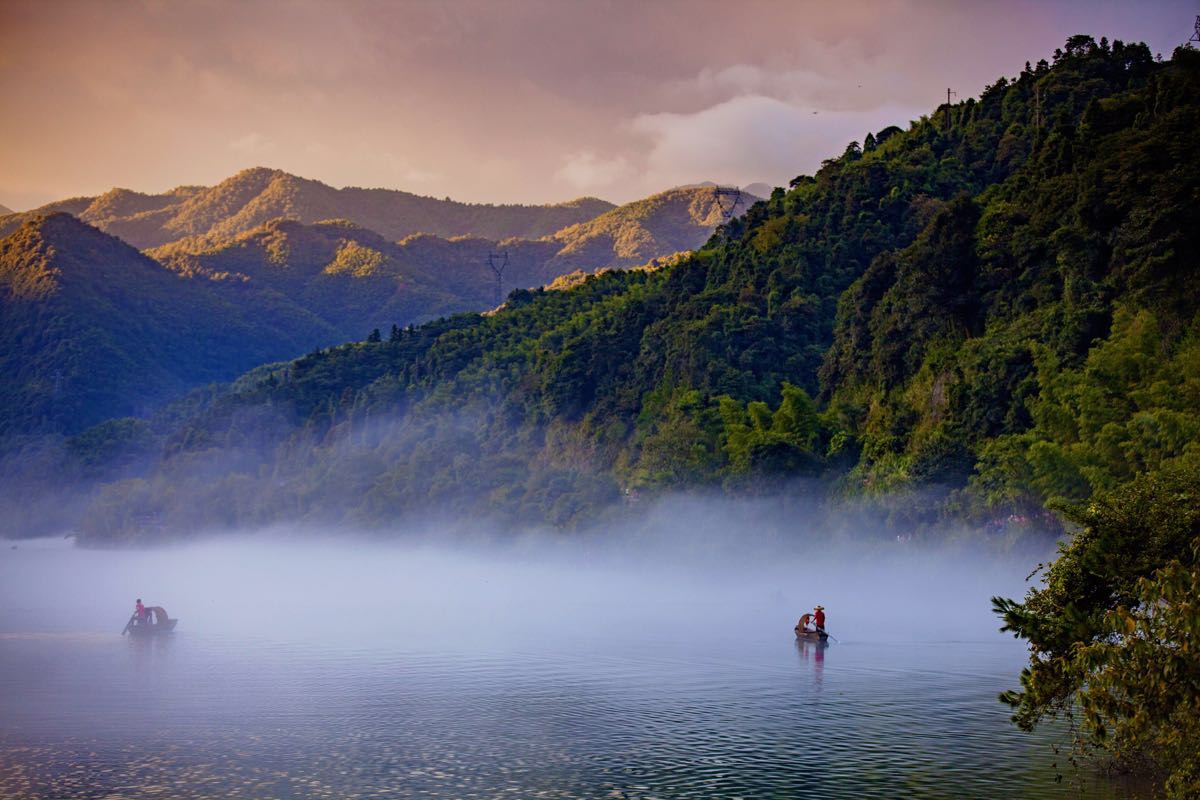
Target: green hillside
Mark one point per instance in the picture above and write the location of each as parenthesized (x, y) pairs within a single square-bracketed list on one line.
[(922, 310), (255, 196)]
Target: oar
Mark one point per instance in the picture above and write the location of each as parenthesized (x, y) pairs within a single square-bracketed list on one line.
[(125, 630), (831, 636)]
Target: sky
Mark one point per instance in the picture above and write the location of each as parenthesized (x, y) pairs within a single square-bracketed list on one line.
[(528, 101)]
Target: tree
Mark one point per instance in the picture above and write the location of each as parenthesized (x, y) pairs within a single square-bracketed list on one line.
[(1114, 628), (375, 336)]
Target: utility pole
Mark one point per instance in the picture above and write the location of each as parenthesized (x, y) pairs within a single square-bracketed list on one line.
[(497, 262), (948, 94)]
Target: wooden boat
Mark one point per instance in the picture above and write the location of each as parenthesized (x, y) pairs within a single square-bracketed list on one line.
[(811, 636), (155, 622)]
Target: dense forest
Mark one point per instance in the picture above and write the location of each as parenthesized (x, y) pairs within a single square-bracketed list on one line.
[(998, 301)]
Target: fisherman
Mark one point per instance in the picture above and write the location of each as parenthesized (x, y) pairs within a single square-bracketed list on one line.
[(819, 618), (802, 625), (139, 611)]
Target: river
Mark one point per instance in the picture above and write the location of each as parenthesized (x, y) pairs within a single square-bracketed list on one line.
[(350, 670)]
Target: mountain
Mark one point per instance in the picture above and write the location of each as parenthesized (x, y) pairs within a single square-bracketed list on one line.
[(254, 196), (758, 189), (4, 210), (675, 221), (355, 278), (279, 290), (93, 329), (440, 275), (922, 311)]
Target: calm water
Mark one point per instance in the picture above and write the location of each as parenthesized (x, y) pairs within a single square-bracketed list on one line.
[(479, 679)]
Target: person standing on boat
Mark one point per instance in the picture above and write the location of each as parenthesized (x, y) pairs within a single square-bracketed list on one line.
[(819, 618), (139, 611)]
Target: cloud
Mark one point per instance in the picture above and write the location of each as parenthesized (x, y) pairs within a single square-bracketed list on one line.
[(408, 172), (253, 142), (751, 137), (586, 171)]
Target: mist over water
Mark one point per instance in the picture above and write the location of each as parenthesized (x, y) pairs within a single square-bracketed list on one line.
[(653, 661)]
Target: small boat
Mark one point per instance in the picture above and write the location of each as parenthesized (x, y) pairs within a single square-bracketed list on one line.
[(155, 622), (811, 636)]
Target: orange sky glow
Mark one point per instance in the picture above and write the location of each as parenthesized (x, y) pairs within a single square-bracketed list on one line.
[(496, 100)]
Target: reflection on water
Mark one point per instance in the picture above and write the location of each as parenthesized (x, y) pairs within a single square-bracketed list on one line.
[(602, 698), (814, 653), (190, 715)]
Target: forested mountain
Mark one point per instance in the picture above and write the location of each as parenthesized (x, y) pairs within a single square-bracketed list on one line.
[(448, 275), (90, 329), (675, 221), (928, 308), (274, 292), (5, 210), (255, 196)]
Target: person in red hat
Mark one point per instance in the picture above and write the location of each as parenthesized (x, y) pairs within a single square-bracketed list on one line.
[(819, 618)]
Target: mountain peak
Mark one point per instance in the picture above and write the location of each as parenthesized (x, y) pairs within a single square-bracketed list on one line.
[(32, 262)]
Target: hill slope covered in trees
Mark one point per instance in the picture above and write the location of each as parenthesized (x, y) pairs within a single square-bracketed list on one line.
[(93, 329), (273, 292), (914, 313)]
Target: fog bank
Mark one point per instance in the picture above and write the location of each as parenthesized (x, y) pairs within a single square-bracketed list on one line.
[(684, 573)]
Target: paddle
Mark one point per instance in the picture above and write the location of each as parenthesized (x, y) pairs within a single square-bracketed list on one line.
[(831, 636), (125, 630)]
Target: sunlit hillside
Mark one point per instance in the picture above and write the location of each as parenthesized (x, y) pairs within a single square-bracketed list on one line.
[(286, 287), (257, 195)]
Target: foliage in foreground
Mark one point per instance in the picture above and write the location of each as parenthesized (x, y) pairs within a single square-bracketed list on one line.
[(1114, 631)]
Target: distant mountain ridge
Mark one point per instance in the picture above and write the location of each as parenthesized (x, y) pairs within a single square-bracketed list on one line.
[(94, 329), (280, 250), (87, 313), (257, 195), (674, 221)]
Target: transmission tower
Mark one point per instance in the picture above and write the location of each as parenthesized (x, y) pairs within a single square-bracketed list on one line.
[(57, 377), (497, 262), (728, 199), (1196, 31)]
